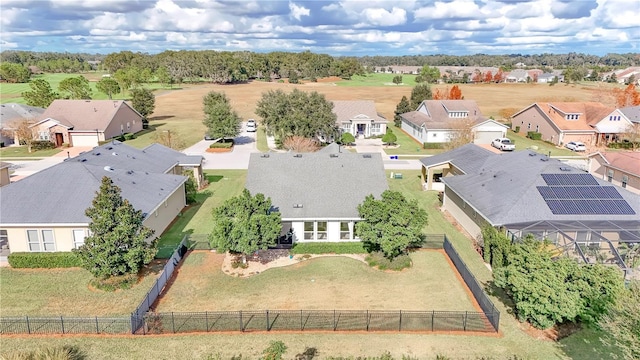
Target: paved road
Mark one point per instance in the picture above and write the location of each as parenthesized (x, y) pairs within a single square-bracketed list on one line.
[(245, 144)]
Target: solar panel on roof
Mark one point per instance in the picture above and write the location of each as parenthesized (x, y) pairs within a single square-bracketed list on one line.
[(561, 192), (612, 192), (598, 207), (569, 179), (623, 207), (556, 207), (550, 179), (586, 192), (573, 192), (546, 192), (573, 207)]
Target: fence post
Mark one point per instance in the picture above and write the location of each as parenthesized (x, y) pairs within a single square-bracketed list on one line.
[(433, 315), (173, 323), (206, 320), (28, 326), (335, 325), (464, 324), (62, 324), (241, 323), (268, 320), (97, 327), (368, 319), (400, 323), (301, 324)]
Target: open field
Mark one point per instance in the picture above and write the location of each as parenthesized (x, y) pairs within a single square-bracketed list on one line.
[(318, 284), (66, 292), (378, 79)]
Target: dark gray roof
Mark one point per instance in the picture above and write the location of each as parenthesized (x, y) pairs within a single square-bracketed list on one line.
[(632, 113), (61, 194), (327, 185), (12, 111), (467, 158), (503, 189), (434, 114)]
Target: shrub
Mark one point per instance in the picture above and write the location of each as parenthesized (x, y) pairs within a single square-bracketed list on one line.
[(221, 145), (42, 145), (517, 130), (2, 144), (114, 283), (65, 352), (46, 260), (389, 138), (328, 248), (347, 138), (274, 351), (129, 136), (623, 145), (398, 263), (534, 135), (433, 145)]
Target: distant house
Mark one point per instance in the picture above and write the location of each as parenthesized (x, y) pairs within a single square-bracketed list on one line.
[(87, 122), (436, 121), (12, 112), (549, 77), (317, 194), (562, 122), (359, 118), (46, 211), (622, 76), (619, 168)]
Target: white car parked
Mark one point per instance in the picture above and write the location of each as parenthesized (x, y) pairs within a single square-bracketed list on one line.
[(503, 144), (251, 125), (576, 146)]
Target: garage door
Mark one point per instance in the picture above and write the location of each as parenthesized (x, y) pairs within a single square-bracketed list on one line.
[(84, 140), (486, 137)]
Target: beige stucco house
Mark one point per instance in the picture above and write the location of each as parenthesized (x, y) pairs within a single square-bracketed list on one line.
[(621, 168), (46, 211), (359, 118), (86, 122)]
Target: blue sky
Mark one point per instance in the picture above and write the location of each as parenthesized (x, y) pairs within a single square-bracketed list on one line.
[(351, 27)]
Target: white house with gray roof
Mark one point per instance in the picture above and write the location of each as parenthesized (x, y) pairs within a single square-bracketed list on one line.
[(528, 193), (317, 194), (46, 211), (359, 118)]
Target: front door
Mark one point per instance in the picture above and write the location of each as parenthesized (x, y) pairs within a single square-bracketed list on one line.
[(59, 139), (362, 129)]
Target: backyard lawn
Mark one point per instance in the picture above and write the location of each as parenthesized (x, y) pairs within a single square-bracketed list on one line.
[(21, 152), (55, 292)]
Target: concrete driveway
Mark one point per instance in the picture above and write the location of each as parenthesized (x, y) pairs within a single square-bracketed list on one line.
[(245, 144)]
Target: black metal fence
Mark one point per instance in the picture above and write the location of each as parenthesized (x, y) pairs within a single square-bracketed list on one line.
[(316, 320), (490, 311), (137, 316), (65, 325)]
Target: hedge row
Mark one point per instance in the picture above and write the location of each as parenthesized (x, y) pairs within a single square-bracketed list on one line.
[(221, 145), (433, 145), (534, 135), (622, 145), (42, 145), (328, 248), (48, 260)]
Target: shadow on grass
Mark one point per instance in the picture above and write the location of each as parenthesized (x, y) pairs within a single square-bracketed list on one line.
[(176, 231), (214, 178), (493, 290), (586, 344)]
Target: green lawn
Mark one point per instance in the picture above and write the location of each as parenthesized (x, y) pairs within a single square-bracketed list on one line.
[(377, 79), (223, 184), (66, 292), (408, 145), (21, 152), (523, 142), (261, 140)]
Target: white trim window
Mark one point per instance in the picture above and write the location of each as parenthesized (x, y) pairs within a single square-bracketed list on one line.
[(321, 230), (347, 128), (44, 135), (345, 232), (625, 180), (375, 128), (78, 237), (309, 230), (48, 242)]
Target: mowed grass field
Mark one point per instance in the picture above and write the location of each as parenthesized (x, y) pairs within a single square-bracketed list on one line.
[(325, 283)]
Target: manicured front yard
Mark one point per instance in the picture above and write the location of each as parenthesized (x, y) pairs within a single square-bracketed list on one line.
[(22, 152), (523, 143), (408, 145)]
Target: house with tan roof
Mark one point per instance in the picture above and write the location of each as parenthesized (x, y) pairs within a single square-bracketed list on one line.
[(436, 121), (621, 168), (562, 122), (359, 118), (86, 122)]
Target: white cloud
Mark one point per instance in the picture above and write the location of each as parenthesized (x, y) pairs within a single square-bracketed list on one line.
[(298, 11), (382, 17), (466, 9)]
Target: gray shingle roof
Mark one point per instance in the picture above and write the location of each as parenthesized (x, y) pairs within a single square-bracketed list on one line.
[(349, 109), (328, 186), (61, 194), (438, 114), (12, 111), (503, 189), (467, 158), (632, 113)]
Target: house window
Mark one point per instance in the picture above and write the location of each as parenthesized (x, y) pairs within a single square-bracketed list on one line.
[(346, 128), (537, 128), (375, 128), (625, 180), (308, 230), (529, 126), (128, 125), (322, 230), (43, 135), (48, 242), (4, 239), (434, 134), (121, 127), (78, 237), (345, 234), (609, 175)]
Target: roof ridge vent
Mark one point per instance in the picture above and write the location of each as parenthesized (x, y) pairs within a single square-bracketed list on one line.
[(96, 153), (297, 206), (532, 154), (544, 159), (114, 153), (367, 156), (264, 155), (109, 147), (564, 168), (333, 155), (108, 168), (297, 155)]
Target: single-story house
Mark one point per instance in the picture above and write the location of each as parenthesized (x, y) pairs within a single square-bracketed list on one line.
[(611, 128), (359, 118), (11, 113), (4, 173), (524, 192), (549, 77), (562, 122), (436, 121), (317, 194), (46, 211), (87, 122), (621, 168)]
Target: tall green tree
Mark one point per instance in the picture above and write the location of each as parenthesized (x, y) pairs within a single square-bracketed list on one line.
[(430, 74), (496, 246), (296, 114), (621, 324), (144, 101), (403, 107), (76, 88), (117, 244), (219, 118), (41, 94), (391, 224), (108, 86), (14, 73), (420, 93), (245, 224)]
